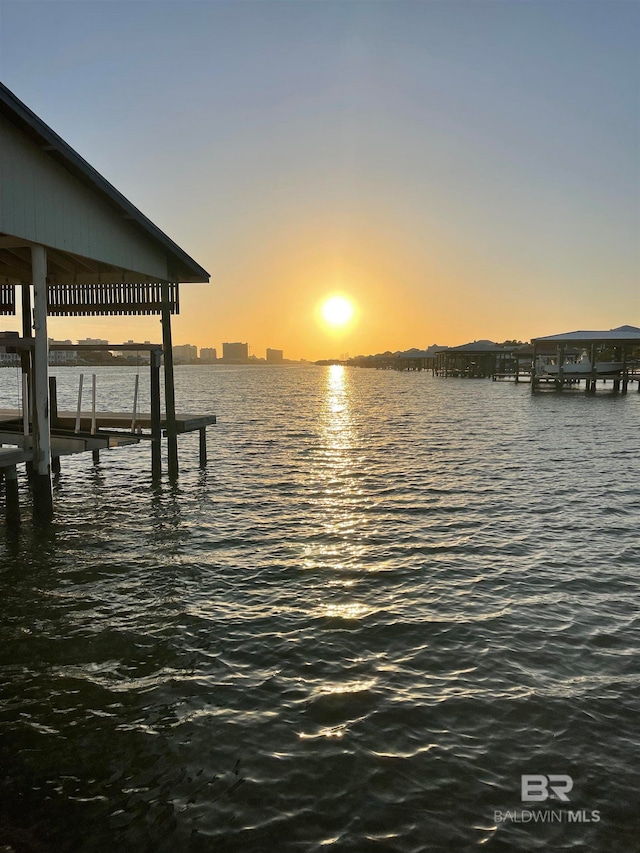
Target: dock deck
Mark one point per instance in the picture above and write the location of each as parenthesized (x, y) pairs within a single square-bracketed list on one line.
[(66, 420), (72, 433), (11, 456)]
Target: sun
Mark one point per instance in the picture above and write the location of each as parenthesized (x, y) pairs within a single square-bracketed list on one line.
[(337, 311)]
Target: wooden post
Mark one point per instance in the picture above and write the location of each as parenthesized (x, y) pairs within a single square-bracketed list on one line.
[(53, 410), (79, 409), (591, 382), (560, 379), (27, 331), (156, 421), (95, 454), (12, 502), (25, 361), (203, 447), (53, 401), (26, 421), (42, 498), (169, 388), (93, 404), (534, 355), (134, 414), (27, 328)]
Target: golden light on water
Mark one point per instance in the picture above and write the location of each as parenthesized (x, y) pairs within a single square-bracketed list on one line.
[(336, 467), (349, 610), (333, 467)]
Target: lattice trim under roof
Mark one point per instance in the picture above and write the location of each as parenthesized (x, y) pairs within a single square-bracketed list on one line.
[(77, 300)]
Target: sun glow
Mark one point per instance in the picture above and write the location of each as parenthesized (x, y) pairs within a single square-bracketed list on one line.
[(337, 312)]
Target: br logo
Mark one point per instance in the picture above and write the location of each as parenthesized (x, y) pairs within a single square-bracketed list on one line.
[(539, 788)]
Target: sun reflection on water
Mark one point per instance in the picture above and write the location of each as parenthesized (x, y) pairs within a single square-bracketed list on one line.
[(335, 468), (337, 427), (347, 610), (336, 539), (337, 547)]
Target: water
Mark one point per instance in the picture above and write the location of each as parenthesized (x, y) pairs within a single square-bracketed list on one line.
[(386, 598)]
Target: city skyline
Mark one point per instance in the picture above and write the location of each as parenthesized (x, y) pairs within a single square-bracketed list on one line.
[(455, 171)]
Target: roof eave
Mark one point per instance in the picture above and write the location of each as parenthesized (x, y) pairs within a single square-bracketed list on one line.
[(20, 114)]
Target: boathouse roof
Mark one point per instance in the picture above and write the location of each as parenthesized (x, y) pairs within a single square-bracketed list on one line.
[(620, 335), (52, 197), (416, 353), (477, 347)]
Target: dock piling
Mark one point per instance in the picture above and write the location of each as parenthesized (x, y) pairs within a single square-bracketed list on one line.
[(203, 446), (79, 410), (12, 502), (42, 496), (169, 389), (156, 422)]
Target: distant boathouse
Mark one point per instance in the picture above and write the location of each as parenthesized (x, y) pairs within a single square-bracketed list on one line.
[(554, 361), (602, 355), (72, 245)]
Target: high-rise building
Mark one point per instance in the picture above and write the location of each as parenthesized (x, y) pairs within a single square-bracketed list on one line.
[(185, 353), (275, 356), (235, 353), (208, 354)]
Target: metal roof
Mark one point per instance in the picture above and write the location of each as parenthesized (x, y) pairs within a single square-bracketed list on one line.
[(12, 108), (477, 347), (621, 335)]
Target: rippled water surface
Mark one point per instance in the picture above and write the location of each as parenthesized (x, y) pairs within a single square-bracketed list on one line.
[(386, 598)]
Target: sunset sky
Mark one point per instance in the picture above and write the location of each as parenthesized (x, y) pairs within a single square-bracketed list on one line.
[(459, 170)]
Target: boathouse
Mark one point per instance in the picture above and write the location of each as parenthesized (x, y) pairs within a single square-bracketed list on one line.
[(474, 360), (612, 354), (72, 245)]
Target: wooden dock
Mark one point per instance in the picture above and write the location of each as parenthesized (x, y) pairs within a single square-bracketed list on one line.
[(76, 433), (548, 381), (114, 420), (81, 431), (71, 433)]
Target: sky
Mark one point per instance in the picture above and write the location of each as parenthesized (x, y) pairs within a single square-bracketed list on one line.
[(458, 170)]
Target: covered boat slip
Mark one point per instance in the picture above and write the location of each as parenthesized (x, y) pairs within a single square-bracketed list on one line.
[(71, 245), (606, 355)]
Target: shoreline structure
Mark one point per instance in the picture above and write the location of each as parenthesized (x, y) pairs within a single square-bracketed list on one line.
[(71, 245)]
